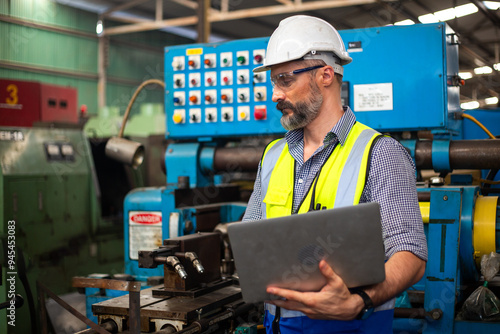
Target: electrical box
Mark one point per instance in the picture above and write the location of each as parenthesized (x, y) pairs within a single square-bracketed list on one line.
[(404, 78), (23, 103)]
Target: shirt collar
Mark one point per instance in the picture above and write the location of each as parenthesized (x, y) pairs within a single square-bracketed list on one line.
[(339, 130)]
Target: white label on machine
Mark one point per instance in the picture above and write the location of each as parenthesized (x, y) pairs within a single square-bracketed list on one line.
[(145, 232), (173, 225), (373, 97)]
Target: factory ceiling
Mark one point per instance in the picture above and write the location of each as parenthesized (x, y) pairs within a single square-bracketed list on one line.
[(476, 22)]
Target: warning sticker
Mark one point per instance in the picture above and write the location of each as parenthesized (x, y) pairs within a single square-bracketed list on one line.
[(373, 97), (193, 52), (145, 231)]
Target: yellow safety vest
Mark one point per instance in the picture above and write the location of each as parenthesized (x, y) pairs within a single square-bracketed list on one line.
[(341, 179)]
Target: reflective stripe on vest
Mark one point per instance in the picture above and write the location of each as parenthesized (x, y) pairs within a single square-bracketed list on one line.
[(341, 179)]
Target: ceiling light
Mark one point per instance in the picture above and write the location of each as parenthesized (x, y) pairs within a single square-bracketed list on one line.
[(491, 100), (428, 18), (483, 70), (496, 66), (449, 13), (445, 14), (99, 27), (493, 5), (470, 105), (465, 75), (404, 23), (464, 10)]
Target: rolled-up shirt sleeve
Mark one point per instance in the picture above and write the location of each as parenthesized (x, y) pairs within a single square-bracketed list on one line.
[(391, 183)]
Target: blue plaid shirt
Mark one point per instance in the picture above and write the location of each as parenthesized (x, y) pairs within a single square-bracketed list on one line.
[(391, 183)]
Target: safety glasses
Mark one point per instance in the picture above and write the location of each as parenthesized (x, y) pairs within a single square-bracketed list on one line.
[(285, 80)]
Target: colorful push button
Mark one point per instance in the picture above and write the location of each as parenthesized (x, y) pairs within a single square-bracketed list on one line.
[(177, 118), (210, 81), (226, 80), (241, 60), (193, 99), (192, 63), (208, 62), (258, 59), (177, 65), (260, 113), (208, 98), (225, 97)]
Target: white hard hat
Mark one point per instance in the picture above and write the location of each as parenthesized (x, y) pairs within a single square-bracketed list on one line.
[(305, 37)]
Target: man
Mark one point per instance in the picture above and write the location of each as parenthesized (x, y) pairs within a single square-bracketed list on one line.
[(327, 160)]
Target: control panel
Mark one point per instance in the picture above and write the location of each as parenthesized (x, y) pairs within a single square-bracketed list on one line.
[(211, 91)]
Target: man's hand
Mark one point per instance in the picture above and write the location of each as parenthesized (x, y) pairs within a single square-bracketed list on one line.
[(334, 301)]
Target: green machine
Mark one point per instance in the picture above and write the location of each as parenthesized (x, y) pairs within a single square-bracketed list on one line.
[(52, 227)]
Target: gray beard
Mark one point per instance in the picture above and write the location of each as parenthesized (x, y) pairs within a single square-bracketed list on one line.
[(303, 113)]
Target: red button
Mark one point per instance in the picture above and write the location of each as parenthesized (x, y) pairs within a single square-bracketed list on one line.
[(193, 99), (260, 113)]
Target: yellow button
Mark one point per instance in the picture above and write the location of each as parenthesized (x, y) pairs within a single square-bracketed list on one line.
[(177, 118), (243, 115)]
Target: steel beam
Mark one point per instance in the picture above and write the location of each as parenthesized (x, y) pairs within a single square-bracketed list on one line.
[(219, 16)]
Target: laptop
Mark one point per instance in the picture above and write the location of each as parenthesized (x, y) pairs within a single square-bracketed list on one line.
[(285, 252)]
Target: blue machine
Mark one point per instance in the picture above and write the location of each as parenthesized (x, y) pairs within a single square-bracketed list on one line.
[(402, 80)]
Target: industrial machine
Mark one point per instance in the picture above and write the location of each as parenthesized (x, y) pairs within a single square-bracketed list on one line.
[(403, 81), (53, 225), (52, 228)]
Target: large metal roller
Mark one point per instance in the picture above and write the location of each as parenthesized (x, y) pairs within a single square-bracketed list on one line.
[(463, 154)]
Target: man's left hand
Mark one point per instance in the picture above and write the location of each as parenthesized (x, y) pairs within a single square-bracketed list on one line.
[(333, 302)]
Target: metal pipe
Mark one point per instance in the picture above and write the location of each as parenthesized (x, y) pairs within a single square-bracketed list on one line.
[(424, 196), (464, 154), (237, 159), (417, 313)]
